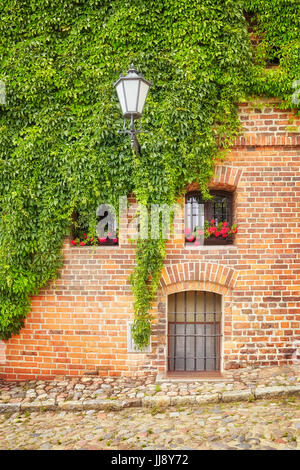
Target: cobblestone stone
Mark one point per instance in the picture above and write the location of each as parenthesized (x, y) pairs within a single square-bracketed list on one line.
[(238, 384)]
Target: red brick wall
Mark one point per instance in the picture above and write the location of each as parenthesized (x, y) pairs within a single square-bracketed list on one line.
[(79, 324)]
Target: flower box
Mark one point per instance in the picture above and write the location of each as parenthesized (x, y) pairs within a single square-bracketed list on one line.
[(109, 242), (213, 234), (218, 241), (94, 241)]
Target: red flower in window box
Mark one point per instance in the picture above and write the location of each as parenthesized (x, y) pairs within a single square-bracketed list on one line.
[(213, 233), (84, 239), (189, 236), (222, 228)]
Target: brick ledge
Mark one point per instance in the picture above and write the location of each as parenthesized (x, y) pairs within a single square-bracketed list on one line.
[(267, 141)]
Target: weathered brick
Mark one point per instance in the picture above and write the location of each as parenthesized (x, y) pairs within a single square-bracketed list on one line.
[(79, 324)]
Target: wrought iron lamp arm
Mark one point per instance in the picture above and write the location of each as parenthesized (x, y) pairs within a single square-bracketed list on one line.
[(132, 131)]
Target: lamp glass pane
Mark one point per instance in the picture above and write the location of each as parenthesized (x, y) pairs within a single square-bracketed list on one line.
[(144, 88), (121, 97), (131, 91)]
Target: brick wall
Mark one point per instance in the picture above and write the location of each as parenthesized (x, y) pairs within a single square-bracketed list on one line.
[(79, 324)]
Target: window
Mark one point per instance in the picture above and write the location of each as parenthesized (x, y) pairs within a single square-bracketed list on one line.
[(200, 213), (194, 331)]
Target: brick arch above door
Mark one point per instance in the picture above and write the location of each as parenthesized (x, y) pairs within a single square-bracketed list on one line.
[(198, 276)]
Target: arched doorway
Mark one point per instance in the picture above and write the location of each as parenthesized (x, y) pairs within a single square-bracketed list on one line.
[(194, 331)]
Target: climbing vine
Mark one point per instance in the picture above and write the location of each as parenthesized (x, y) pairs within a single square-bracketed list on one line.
[(59, 147)]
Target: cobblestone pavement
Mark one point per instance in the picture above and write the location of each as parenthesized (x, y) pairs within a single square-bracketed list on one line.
[(266, 424), (80, 389)]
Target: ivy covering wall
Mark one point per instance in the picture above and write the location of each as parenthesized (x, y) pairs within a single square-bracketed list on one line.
[(59, 147)]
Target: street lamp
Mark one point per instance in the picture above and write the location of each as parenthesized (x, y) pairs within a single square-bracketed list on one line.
[(132, 92)]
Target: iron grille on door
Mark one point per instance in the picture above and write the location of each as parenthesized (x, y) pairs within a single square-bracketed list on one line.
[(194, 332)]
